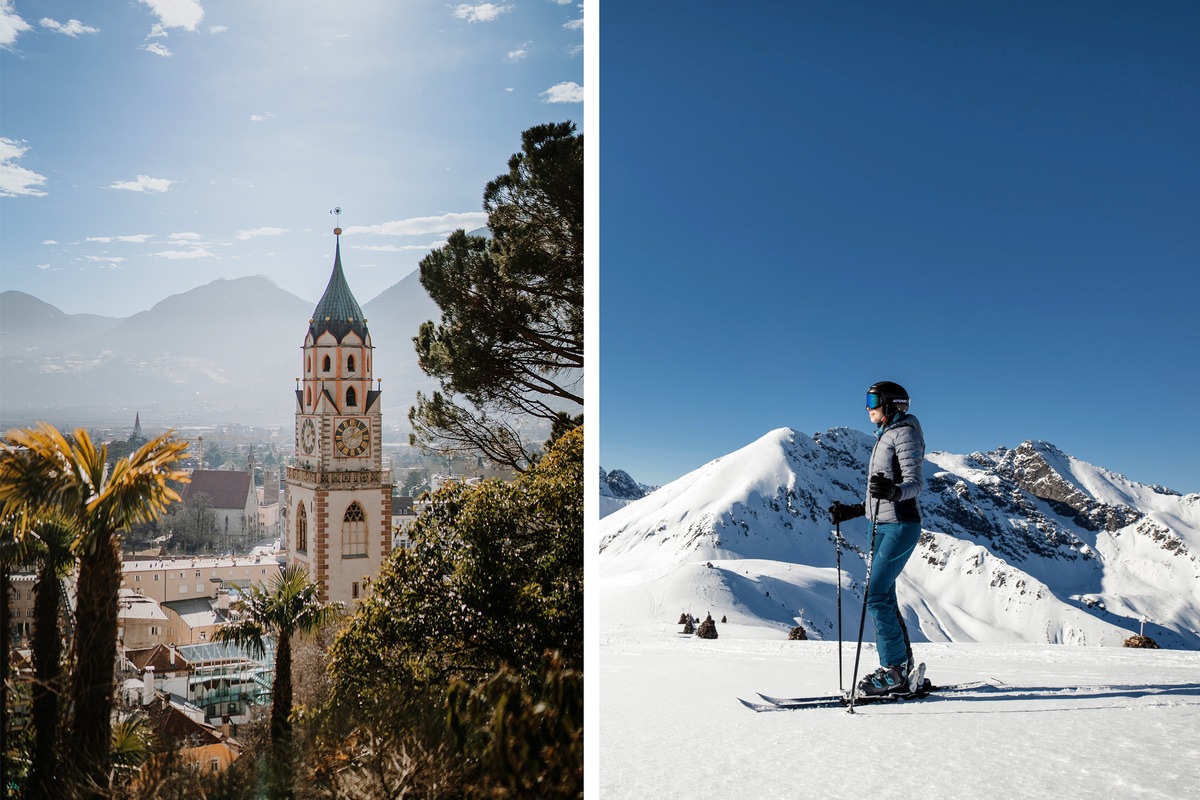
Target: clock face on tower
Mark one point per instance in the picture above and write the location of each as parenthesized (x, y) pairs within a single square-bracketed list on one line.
[(308, 436), (352, 437)]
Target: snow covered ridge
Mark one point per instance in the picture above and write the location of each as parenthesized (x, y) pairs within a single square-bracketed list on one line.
[(618, 489), (1020, 545)]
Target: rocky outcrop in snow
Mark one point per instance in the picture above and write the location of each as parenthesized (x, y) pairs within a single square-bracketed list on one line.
[(1027, 544)]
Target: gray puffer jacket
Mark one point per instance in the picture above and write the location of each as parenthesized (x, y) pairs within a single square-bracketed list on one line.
[(900, 454)]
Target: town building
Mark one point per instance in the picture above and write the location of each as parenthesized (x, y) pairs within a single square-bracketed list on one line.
[(339, 513), (234, 504), (170, 579), (22, 588), (141, 621), (224, 682)]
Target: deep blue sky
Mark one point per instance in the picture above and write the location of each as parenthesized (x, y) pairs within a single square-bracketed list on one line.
[(996, 205)]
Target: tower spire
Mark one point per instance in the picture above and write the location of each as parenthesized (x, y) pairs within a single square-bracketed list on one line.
[(338, 312)]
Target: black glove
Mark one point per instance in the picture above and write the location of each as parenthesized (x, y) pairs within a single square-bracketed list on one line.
[(883, 487), (841, 513)]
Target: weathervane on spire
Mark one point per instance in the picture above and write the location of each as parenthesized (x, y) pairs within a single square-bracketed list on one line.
[(337, 212)]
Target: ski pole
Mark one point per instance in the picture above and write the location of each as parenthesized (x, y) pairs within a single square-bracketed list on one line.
[(862, 621), (838, 544)]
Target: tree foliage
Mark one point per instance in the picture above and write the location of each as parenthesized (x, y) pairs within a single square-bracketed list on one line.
[(488, 602), (288, 608), (509, 345), (44, 474), (495, 576), (523, 738)]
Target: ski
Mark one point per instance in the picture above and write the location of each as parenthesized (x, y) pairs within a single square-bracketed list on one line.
[(841, 701)]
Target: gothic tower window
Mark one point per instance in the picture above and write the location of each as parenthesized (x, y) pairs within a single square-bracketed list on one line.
[(354, 532), (351, 398), (301, 529), (325, 365), (350, 364), (308, 397)]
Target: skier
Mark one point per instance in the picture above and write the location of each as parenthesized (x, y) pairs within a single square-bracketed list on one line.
[(891, 506)]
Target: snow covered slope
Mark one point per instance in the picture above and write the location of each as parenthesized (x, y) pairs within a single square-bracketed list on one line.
[(1023, 545), (1058, 722)]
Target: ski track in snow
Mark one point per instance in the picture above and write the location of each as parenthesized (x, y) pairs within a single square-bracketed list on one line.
[(1060, 721)]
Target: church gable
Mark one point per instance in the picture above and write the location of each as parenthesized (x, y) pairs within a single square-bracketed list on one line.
[(326, 404), (228, 490)]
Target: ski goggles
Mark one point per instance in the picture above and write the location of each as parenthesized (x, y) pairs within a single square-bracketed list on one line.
[(874, 400)]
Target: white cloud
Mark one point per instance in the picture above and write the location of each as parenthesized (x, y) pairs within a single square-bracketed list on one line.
[(16, 181), (144, 183), (185, 237), (575, 24), (157, 49), (565, 92), (484, 12), (514, 56), (261, 117), (562, 2), (50, 241), (218, 29), (110, 261), (73, 27), (184, 255), (11, 24), (184, 14), (417, 226), (139, 238), (398, 248), (251, 234)]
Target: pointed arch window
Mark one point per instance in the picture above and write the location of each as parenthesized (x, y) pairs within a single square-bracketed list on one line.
[(351, 398), (326, 364), (301, 529), (308, 397), (350, 363), (354, 532)]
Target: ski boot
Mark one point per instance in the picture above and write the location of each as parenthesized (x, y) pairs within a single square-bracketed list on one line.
[(885, 681)]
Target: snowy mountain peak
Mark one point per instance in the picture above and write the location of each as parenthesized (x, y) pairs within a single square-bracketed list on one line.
[(619, 484), (1027, 544)]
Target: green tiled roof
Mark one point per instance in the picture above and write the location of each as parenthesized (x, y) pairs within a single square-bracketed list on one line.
[(338, 312)]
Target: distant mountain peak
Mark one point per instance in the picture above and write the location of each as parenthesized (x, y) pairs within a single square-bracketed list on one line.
[(1027, 543)]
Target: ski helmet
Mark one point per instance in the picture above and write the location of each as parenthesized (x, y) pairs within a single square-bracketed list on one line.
[(891, 397)]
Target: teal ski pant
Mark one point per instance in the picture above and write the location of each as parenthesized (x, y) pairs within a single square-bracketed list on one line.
[(894, 543)]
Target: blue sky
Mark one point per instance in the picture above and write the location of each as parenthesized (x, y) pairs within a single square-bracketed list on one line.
[(150, 146), (996, 205)]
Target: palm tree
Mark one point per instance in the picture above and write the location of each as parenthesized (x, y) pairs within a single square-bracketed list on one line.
[(289, 607), (50, 547), (10, 555), (43, 474), (132, 741)]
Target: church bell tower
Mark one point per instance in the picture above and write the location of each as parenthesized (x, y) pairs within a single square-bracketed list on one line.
[(339, 497)]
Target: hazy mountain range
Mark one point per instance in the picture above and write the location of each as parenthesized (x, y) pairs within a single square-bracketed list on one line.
[(225, 352), (1019, 545)]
